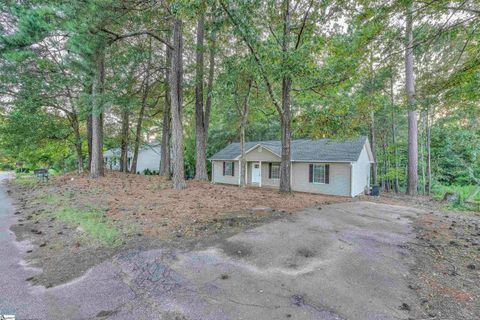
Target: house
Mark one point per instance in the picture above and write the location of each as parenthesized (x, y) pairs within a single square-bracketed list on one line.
[(326, 166), (148, 158)]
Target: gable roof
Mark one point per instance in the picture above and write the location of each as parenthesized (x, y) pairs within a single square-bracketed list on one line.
[(303, 150)]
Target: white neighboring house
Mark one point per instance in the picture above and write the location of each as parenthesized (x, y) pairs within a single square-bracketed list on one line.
[(149, 157), (325, 166)]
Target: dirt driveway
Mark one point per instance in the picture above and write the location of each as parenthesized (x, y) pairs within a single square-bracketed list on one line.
[(343, 261)]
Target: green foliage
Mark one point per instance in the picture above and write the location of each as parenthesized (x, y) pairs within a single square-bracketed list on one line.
[(93, 223)]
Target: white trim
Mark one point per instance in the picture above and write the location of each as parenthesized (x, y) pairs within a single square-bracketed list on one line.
[(260, 183), (369, 151), (351, 179), (279, 165), (324, 173), (239, 171), (254, 147), (246, 172), (322, 161)]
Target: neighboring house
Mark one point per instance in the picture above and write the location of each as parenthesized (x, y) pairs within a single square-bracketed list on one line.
[(318, 166), (148, 158)]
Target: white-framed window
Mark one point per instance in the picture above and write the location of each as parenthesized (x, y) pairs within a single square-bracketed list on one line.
[(228, 169), (275, 171), (319, 173)]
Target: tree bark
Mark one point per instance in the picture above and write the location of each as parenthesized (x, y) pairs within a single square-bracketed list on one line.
[(243, 113), (429, 155), (394, 138), (124, 141), (211, 74), (285, 164), (374, 151), (96, 168), (89, 139), (412, 176), (422, 152), (178, 177), (89, 129), (201, 161), (146, 90), (165, 148), (78, 143)]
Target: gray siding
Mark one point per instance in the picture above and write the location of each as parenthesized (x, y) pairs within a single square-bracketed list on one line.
[(148, 159), (265, 180), (339, 179), (263, 155), (218, 176), (361, 173)]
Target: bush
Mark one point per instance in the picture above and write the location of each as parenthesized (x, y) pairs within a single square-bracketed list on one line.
[(467, 193), (6, 166), (149, 172)]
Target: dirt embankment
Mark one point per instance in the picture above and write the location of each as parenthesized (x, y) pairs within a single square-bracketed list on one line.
[(74, 222), (446, 277)]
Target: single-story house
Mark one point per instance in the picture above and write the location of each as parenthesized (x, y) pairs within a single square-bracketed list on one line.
[(148, 158), (326, 166)]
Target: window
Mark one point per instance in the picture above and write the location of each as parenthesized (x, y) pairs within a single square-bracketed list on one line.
[(274, 169), (319, 173), (228, 169)]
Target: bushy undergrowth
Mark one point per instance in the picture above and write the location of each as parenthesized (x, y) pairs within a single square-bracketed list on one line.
[(466, 197)]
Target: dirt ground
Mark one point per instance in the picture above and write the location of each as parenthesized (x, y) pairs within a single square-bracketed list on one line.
[(149, 215), (446, 275), (146, 212)]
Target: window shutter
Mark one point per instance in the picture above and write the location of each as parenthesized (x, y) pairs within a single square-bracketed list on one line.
[(310, 173), (223, 167), (269, 170), (327, 173), (233, 169)]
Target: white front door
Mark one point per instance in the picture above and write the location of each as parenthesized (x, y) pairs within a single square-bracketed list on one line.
[(256, 172)]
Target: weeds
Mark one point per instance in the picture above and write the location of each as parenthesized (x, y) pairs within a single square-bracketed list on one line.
[(467, 197), (93, 223)]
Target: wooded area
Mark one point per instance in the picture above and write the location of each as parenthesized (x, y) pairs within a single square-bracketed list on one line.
[(81, 77)]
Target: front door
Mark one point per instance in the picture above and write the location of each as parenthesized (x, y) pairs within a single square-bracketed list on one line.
[(256, 172)]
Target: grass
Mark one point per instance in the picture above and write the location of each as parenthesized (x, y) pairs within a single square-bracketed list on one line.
[(467, 195), (26, 180), (93, 223)]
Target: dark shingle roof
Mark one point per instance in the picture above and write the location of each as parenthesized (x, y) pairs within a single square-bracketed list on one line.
[(318, 150)]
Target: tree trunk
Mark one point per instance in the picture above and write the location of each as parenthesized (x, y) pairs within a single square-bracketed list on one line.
[(201, 161), (89, 139), (373, 146), (243, 113), (429, 155), (124, 141), (178, 177), (211, 74), (412, 176), (89, 129), (78, 143), (138, 135), (96, 168), (285, 165), (394, 137), (146, 90), (422, 152), (243, 160), (165, 148)]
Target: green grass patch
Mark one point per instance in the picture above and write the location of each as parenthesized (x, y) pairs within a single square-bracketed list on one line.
[(466, 195), (94, 224), (26, 180)]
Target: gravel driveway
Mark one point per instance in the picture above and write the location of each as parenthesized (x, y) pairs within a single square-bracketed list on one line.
[(341, 261)]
